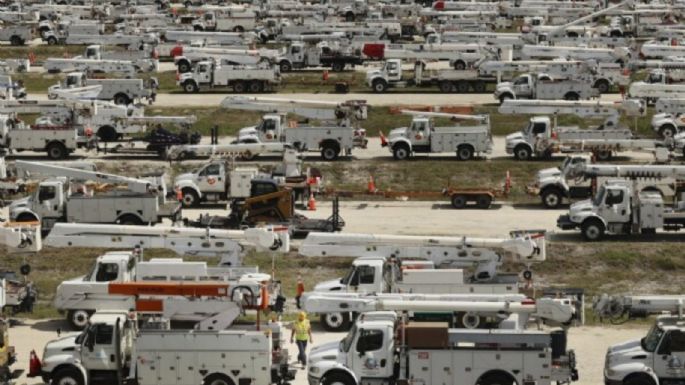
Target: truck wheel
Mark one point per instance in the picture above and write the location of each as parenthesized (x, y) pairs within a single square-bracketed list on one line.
[(479, 87), (379, 86), (107, 134), (335, 322), (337, 379), (256, 87), (349, 16), (78, 319), (504, 97), (183, 66), (484, 201), (284, 66), (26, 217), (667, 131), (571, 96), (469, 320), (338, 66), (602, 86), (446, 87), (522, 153), (603, 155), (458, 201), (238, 28), (496, 379), (592, 230), (122, 99), (217, 379), (239, 87), (52, 40), (400, 152), (330, 152), (56, 151), (639, 380), (551, 198), (67, 377), (190, 87), (16, 40), (463, 87), (190, 198), (465, 152), (130, 220), (459, 65)]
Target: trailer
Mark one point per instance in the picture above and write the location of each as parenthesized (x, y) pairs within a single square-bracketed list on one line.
[(448, 80)]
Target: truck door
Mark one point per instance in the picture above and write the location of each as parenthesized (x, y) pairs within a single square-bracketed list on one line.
[(296, 53), (203, 71), (615, 208), (522, 86), (98, 350), (49, 201), (420, 133), (669, 360), (373, 355), (394, 71), (210, 178), (363, 280), (268, 130)]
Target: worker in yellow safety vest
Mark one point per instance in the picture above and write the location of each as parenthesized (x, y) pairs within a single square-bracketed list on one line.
[(302, 332)]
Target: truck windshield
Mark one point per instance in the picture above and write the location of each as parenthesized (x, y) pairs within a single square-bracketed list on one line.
[(599, 197), (566, 163), (346, 279), (346, 342), (650, 342)]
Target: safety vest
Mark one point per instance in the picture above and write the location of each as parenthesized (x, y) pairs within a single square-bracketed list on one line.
[(302, 330)]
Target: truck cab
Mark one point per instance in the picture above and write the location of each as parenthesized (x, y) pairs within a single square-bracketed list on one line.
[(381, 79), (404, 141), (93, 52), (46, 204), (523, 144), (656, 358), (213, 182), (203, 73), (553, 185), (269, 129), (98, 354)]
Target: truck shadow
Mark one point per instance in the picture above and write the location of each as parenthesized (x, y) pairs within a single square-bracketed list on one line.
[(576, 237), (52, 325), (467, 209), (538, 207)]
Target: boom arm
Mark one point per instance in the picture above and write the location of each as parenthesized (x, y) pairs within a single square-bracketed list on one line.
[(560, 29), (615, 307), (480, 118), (631, 107), (634, 172), (313, 109)]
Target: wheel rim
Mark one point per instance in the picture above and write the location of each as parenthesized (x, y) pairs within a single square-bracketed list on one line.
[(329, 153), (464, 154), (522, 154), (80, 318), (470, 321), (67, 381), (551, 200), (334, 320), (458, 202), (188, 199), (55, 153), (401, 153), (667, 132), (190, 88), (592, 232)]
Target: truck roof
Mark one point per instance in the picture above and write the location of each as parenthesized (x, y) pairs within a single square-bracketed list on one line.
[(115, 256), (108, 316)]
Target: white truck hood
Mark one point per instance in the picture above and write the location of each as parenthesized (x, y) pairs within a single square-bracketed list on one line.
[(331, 285), (629, 352), (397, 133), (548, 176), (247, 131), (183, 178), (580, 210), (373, 74), (503, 85), (18, 205), (324, 352)]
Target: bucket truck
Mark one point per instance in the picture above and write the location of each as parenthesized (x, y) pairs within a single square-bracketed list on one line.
[(120, 91), (144, 200), (423, 137), (619, 207), (384, 346), (337, 132), (138, 355), (657, 358), (542, 86), (384, 264), (652, 92), (542, 137), (241, 79), (577, 178)]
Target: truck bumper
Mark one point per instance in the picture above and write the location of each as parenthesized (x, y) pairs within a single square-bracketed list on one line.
[(609, 381), (564, 223), (532, 190), (311, 380)]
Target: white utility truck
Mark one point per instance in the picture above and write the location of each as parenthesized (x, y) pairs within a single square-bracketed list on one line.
[(11, 90), (577, 179), (384, 265), (209, 75), (16, 34), (422, 136), (544, 87), (218, 181), (652, 92), (619, 208), (338, 132), (60, 200), (121, 91), (384, 347), (656, 358), (390, 75), (299, 54)]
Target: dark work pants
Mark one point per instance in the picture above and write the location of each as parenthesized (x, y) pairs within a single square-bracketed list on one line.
[(302, 348)]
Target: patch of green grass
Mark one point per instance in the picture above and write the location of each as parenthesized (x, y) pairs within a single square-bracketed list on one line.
[(42, 52)]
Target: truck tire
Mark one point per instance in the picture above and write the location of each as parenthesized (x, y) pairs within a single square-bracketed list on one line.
[(67, 376), (240, 87), (379, 86), (465, 152), (496, 379), (603, 155), (183, 66), (189, 198), (571, 96), (551, 198), (217, 379), (479, 87), (469, 320), (56, 151), (285, 66), (330, 152), (107, 134), (335, 322), (52, 40), (522, 152), (484, 201), (122, 99), (190, 87), (458, 201), (446, 86), (459, 65), (504, 97), (338, 66), (602, 85), (349, 16), (462, 86), (78, 319), (16, 40), (668, 131), (129, 220), (401, 152), (255, 87), (592, 230), (338, 379), (238, 28), (639, 379)]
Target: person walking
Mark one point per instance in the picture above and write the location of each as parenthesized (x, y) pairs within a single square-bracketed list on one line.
[(302, 332), (299, 291)]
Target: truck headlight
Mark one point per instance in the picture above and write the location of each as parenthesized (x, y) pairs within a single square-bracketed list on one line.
[(313, 370), (610, 372)]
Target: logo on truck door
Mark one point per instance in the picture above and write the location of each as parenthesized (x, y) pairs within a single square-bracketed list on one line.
[(423, 355), (211, 180)]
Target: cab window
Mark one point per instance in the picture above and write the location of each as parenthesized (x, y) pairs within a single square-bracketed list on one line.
[(212, 169), (539, 128), (269, 125), (614, 197), (104, 334), (47, 193), (107, 272), (521, 81), (370, 340), (366, 274)]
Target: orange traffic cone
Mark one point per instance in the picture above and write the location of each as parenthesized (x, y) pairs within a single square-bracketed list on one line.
[(371, 187), (311, 204)]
